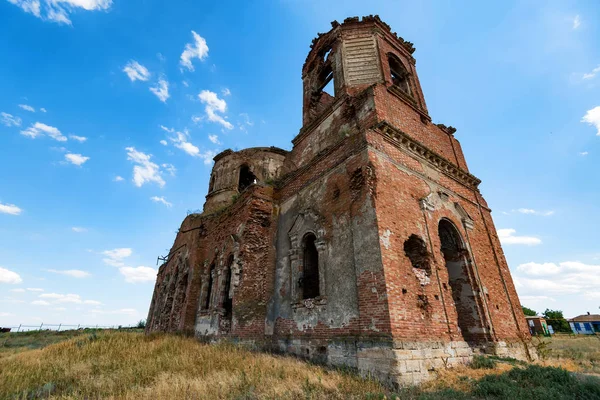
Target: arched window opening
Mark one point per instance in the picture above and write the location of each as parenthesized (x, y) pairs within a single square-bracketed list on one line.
[(247, 178), (399, 74), (416, 250), (211, 186), (227, 299), (310, 279), (467, 307), (209, 289)]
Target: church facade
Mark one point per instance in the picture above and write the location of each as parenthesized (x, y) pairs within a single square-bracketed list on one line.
[(367, 245)]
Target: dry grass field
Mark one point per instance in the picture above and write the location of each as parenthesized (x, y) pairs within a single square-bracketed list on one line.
[(130, 365)]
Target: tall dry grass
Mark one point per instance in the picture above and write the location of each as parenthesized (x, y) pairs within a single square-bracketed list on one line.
[(124, 365)]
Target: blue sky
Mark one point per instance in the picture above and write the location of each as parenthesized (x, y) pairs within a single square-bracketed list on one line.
[(112, 110)]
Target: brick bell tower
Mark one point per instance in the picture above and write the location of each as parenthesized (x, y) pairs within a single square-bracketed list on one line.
[(434, 288), (367, 245)]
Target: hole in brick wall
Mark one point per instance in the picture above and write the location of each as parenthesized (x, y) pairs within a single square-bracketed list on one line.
[(336, 193), (423, 303), (326, 54), (436, 296), (246, 179), (416, 250), (497, 308), (404, 291), (445, 286), (322, 349), (228, 301)]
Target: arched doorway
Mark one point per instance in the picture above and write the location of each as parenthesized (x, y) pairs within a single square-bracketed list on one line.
[(462, 282)]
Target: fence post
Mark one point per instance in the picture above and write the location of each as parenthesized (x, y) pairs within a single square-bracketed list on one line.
[(78, 325), (19, 328), (59, 325), (41, 326)]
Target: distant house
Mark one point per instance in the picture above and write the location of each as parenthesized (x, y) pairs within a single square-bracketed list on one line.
[(586, 324), (537, 325)]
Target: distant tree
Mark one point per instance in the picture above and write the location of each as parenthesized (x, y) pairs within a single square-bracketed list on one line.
[(529, 312), (557, 320), (141, 324)]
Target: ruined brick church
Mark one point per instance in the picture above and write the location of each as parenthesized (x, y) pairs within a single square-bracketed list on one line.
[(368, 245)]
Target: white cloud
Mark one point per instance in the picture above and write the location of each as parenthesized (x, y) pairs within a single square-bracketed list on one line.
[(124, 311), (19, 290), (92, 302), (534, 212), (584, 153), (27, 107), (246, 122), (118, 178), (592, 117), (58, 10), (214, 107), (7, 276), (75, 273), (506, 236), (214, 139), (43, 110), (62, 298), (39, 128), (80, 139), (161, 90), (226, 92), (35, 289), (76, 159), (10, 209), (163, 142), (576, 22), (170, 168), (138, 274), (162, 200), (40, 303), (10, 120), (197, 49), (136, 71), (78, 229), (115, 257), (592, 74), (144, 170), (6, 314), (532, 268)]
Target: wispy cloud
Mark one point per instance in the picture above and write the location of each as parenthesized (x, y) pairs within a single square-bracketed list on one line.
[(161, 90), (116, 257), (181, 140), (10, 120), (162, 200), (531, 211), (10, 209), (27, 107), (197, 49), (214, 139), (214, 107), (58, 10), (507, 236), (584, 153), (226, 92), (79, 139), (592, 117), (79, 229), (75, 273), (118, 178), (144, 170), (42, 109), (10, 277), (76, 159), (138, 274), (136, 71), (576, 22), (39, 128), (592, 74)]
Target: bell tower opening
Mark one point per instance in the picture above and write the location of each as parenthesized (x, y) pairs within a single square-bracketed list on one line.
[(246, 179)]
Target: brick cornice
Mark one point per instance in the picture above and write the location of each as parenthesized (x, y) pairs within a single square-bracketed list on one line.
[(404, 141)]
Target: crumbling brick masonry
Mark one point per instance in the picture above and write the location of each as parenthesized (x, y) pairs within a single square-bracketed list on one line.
[(367, 245)]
